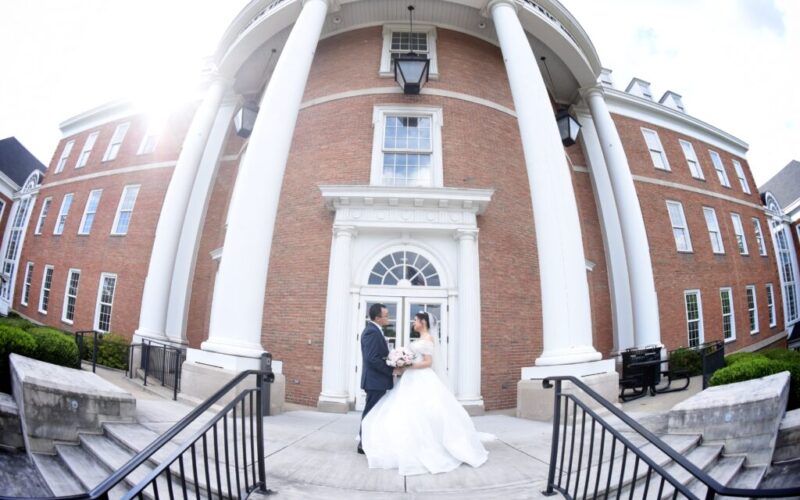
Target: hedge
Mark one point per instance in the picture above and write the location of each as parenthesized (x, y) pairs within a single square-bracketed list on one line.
[(686, 358), (54, 346), (747, 366), (13, 340), (112, 350), (17, 322)]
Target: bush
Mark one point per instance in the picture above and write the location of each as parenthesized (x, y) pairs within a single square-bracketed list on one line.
[(112, 350), (54, 346), (742, 356), (13, 340), (748, 366), (686, 358), (17, 322)]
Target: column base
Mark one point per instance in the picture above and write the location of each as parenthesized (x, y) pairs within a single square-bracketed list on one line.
[(229, 350), (333, 404), (573, 355), (146, 333)]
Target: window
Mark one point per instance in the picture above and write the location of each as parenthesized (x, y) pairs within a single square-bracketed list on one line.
[(762, 246), (43, 215), (713, 230), (752, 310), (149, 140), (87, 150), (679, 228), (691, 159), (410, 267), (44, 296), (717, 161), (71, 295), (740, 174), (26, 287), (694, 317), (64, 156), (407, 147), (125, 210), (19, 221), (656, 149), (739, 231), (773, 318), (398, 40), (116, 141), (787, 274), (728, 320), (89, 211), (62, 214), (105, 299)]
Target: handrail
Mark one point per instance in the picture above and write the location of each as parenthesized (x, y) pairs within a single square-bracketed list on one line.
[(714, 487)]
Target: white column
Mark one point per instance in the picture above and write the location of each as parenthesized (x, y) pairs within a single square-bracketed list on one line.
[(566, 315), (646, 326), (618, 281), (153, 314), (468, 334), (238, 304), (337, 338), (186, 254)]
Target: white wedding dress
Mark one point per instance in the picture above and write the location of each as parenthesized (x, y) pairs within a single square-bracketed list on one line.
[(419, 427)]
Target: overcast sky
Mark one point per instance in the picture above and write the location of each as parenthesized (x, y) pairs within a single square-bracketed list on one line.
[(735, 62)]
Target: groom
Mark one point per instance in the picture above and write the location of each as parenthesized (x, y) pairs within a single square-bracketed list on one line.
[(376, 376)]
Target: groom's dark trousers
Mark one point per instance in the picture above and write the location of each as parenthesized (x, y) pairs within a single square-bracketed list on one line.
[(376, 376)]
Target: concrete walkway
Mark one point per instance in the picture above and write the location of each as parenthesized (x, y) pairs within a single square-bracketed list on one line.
[(313, 455)]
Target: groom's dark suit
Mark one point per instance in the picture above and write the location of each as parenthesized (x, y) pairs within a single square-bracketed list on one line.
[(376, 376)]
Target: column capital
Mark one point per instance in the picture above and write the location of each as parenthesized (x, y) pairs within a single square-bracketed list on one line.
[(344, 230), (597, 90), (491, 4), (466, 234)]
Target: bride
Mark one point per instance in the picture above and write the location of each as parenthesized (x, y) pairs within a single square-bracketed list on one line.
[(419, 427)]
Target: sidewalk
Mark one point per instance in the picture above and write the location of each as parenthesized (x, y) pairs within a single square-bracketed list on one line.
[(311, 455)]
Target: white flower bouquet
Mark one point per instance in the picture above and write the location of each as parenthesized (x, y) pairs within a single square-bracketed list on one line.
[(400, 357)]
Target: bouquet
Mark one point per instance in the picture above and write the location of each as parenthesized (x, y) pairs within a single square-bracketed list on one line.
[(400, 357)]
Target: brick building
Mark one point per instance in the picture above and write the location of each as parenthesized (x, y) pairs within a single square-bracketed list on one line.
[(538, 258)]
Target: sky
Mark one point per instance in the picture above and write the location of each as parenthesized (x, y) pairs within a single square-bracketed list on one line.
[(735, 62)]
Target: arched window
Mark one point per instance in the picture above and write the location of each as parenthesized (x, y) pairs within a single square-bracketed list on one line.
[(406, 268)]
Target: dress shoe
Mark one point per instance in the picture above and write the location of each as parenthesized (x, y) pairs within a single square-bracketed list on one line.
[(360, 450)]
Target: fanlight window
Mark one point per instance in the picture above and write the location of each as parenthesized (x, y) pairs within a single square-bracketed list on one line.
[(406, 268)]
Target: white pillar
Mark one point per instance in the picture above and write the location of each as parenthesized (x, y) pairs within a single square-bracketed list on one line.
[(618, 281), (155, 297), (186, 254), (238, 304), (337, 335), (469, 322), (566, 315), (646, 326)]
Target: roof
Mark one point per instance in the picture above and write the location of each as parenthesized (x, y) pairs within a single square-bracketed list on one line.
[(785, 185), (16, 161)]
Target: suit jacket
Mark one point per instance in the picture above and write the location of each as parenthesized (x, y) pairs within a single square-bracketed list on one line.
[(375, 374)]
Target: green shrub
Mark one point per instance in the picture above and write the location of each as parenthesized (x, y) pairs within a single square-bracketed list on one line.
[(748, 366), (54, 346), (782, 355), (13, 340), (112, 350), (17, 322), (742, 356), (686, 358)]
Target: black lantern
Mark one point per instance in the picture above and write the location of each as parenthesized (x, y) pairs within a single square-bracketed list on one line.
[(245, 119), (568, 127), (411, 70)]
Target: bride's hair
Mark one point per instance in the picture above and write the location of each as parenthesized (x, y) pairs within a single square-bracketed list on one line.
[(423, 316)]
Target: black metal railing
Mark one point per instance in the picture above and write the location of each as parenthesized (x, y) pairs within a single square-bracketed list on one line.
[(159, 361), (223, 459), (589, 457), (79, 339)]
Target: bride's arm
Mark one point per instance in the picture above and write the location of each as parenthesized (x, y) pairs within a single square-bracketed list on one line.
[(427, 361)]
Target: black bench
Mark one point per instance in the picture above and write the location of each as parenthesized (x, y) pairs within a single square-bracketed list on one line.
[(639, 367)]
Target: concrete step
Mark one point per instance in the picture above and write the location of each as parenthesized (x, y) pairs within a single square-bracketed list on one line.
[(58, 477), (723, 470), (86, 468), (702, 456), (748, 477)]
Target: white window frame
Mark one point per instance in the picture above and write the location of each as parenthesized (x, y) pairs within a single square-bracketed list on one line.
[(150, 140), (115, 144), (714, 231), (378, 124), (716, 160), (738, 231), (700, 331), (773, 316), (684, 227), (737, 167), (62, 162), (691, 160), (63, 213), (43, 214), (654, 146), (99, 304), (26, 285), (762, 245), (386, 70), (786, 271), (46, 288), (83, 158), (67, 296), (81, 229), (731, 314), (114, 230), (752, 312)]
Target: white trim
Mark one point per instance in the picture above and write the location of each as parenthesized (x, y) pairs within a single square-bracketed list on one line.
[(385, 69), (719, 166), (95, 117), (67, 296), (732, 314), (715, 229), (88, 145), (691, 152), (86, 210), (50, 268), (681, 224), (153, 132), (119, 208), (115, 144), (738, 231), (772, 313), (700, 330), (63, 212), (46, 202), (379, 114), (762, 243), (62, 161), (752, 288), (96, 322), (26, 285), (117, 171), (653, 143), (692, 189), (737, 167)]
